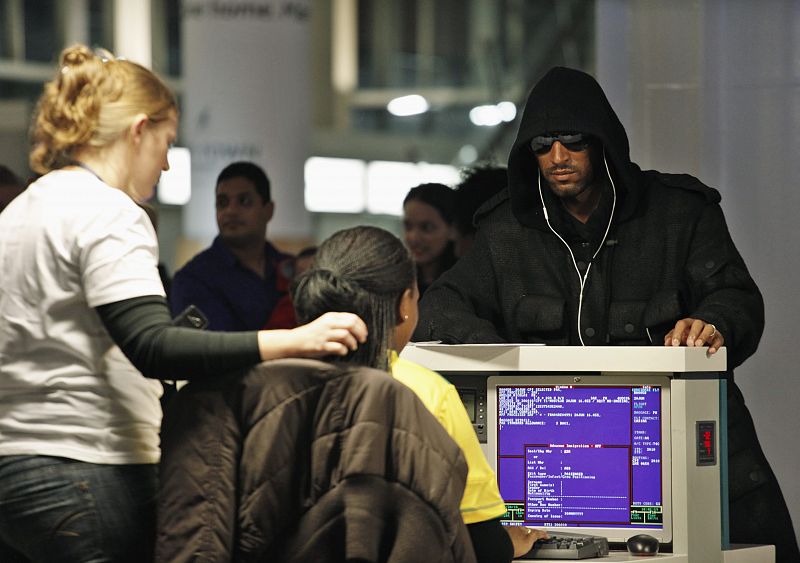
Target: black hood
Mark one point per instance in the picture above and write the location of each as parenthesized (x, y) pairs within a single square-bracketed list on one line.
[(564, 100)]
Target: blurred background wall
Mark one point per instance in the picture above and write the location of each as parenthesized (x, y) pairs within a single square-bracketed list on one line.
[(713, 89)]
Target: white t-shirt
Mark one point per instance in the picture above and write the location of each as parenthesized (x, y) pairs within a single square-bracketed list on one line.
[(68, 244)]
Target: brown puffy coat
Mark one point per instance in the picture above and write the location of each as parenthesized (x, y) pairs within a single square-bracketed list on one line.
[(301, 460)]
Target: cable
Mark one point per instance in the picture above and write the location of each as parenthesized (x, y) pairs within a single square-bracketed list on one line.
[(582, 278)]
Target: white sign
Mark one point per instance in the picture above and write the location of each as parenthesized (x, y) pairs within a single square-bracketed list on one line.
[(247, 97)]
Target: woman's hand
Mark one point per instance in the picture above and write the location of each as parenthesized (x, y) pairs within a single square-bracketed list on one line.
[(331, 334), (523, 538)]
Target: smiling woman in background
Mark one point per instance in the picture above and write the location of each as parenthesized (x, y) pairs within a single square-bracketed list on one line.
[(83, 316), (427, 220)]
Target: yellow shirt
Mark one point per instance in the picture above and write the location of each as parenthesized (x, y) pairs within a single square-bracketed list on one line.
[(482, 500)]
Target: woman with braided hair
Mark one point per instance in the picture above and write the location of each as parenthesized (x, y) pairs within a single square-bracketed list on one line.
[(368, 271), (83, 317)]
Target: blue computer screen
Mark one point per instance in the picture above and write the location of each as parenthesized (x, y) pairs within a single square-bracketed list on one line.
[(581, 455)]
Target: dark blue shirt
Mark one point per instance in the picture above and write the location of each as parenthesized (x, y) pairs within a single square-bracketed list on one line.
[(232, 296)]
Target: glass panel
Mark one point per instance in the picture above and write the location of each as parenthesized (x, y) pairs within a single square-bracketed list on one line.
[(407, 43), (166, 29), (101, 24), (451, 43), (42, 35), (11, 89), (173, 16), (5, 31), (464, 54)]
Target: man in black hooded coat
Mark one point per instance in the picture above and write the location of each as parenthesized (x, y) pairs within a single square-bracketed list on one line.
[(585, 248)]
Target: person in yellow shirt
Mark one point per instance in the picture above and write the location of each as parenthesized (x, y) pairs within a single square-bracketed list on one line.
[(368, 271)]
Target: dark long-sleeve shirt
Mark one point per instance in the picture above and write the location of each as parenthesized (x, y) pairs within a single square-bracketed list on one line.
[(231, 296)]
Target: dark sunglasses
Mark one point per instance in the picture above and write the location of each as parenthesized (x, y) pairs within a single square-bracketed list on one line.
[(575, 142)]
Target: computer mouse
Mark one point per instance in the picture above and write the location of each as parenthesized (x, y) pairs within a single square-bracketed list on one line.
[(642, 544)]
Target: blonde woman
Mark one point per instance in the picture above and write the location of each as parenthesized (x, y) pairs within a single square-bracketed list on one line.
[(83, 317)]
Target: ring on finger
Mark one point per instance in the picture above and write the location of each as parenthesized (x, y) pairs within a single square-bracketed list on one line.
[(714, 332)]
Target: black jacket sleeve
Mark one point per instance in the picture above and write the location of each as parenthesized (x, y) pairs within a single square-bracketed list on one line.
[(143, 330), (722, 290), (491, 542)]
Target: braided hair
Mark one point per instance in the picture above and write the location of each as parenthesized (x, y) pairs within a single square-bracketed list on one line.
[(362, 270)]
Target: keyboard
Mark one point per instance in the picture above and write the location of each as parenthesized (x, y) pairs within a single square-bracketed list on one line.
[(565, 545)]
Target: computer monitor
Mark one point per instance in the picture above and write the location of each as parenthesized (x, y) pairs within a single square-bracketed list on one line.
[(586, 454)]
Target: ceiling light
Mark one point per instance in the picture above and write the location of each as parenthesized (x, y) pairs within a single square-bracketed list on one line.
[(490, 115), (408, 105), (467, 154), (508, 110), (486, 116)]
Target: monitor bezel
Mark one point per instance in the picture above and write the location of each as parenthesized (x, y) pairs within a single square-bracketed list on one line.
[(664, 534)]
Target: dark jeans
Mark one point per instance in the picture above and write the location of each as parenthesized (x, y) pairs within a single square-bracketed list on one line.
[(55, 509)]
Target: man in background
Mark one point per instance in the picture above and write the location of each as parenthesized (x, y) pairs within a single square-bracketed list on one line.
[(238, 281)]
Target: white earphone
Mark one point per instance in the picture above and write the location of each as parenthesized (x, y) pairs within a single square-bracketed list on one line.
[(582, 278)]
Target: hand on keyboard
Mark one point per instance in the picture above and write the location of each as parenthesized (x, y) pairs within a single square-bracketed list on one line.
[(564, 545), (523, 538)]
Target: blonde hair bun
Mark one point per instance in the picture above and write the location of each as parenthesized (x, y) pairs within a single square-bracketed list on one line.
[(90, 102), (76, 55)]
